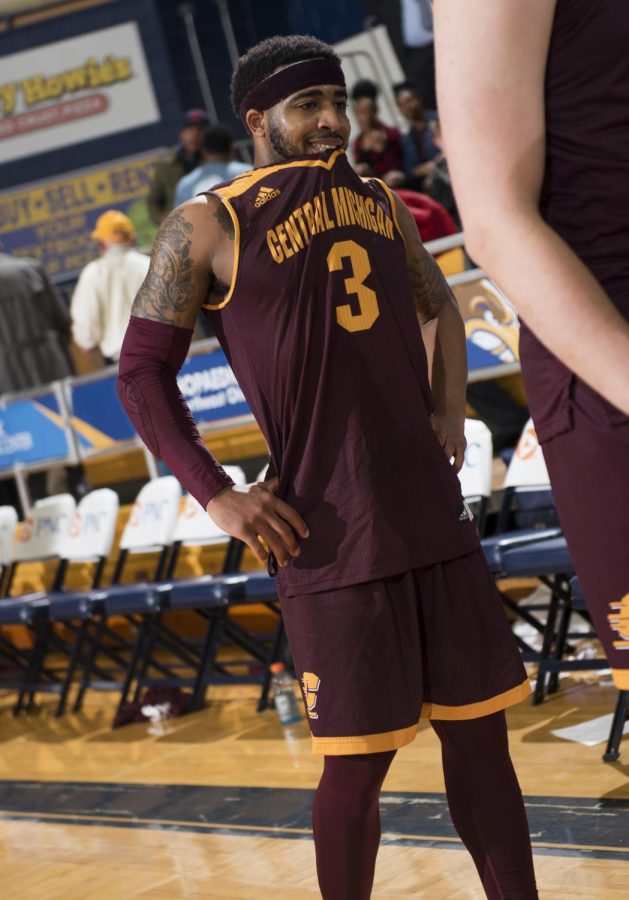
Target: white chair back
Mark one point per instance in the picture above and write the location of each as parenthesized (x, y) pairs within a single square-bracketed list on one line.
[(153, 516), (261, 476), (8, 524), (194, 526), (91, 533), (44, 533), (527, 468), (476, 472)]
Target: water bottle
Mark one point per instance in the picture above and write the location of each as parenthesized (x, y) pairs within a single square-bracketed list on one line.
[(284, 694)]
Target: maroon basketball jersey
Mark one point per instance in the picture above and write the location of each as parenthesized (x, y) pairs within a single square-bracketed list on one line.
[(585, 196), (320, 328)]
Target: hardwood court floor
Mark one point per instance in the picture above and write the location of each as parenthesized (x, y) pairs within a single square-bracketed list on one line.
[(216, 805)]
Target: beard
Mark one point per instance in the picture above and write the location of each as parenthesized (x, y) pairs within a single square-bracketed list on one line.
[(283, 147)]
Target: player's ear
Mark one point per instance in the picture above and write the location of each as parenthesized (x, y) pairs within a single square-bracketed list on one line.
[(256, 122)]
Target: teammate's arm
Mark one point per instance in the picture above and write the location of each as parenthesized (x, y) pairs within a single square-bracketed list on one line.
[(189, 243), (491, 60), (442, 326)]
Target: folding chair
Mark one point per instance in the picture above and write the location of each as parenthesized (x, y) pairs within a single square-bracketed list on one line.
[(527, 512), (475, 474), (527, 515), (211, 597), (194, 528), (43, 536), (8, 525), (41, 539), (548, 561), (88, 539), (150, 529), (11, 656)]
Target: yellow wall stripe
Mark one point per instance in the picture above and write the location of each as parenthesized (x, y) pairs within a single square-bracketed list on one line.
[(98, 438)]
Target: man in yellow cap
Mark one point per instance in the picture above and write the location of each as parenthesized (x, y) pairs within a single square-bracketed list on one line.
[(102, 300)]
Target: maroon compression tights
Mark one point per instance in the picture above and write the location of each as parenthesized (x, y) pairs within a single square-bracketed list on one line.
[(485, 804)]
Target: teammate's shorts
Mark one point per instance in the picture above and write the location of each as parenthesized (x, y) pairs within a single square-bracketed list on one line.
[(374, 658), (589, 471)]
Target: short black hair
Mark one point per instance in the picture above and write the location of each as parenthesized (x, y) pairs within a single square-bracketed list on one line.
[(365, 88), (267, 56), (218, 139), (406, 86)]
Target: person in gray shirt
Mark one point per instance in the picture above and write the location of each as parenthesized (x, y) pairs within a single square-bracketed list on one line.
[(34, 326), (218, 164)]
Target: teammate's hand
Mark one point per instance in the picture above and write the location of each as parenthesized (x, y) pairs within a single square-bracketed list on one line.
[(256, 516), (450, 433)]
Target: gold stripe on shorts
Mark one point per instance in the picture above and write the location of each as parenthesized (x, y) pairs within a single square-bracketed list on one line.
[(621, 679), (364, 743), (476, 710)]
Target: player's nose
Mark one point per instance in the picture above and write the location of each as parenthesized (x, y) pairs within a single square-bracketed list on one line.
[(330, 117)]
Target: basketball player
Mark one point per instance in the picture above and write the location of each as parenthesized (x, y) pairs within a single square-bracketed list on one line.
[(543, 187), (315, 281)]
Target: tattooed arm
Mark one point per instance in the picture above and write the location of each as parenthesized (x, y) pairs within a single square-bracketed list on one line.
[(179, 276), (443, 330), (157, 342), (194, 243)]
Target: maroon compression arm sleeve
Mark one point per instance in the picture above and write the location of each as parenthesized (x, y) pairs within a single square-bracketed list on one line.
[(152, 354)]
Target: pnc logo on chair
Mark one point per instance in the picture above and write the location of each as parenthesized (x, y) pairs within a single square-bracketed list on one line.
[(310, 684), (265, 194)]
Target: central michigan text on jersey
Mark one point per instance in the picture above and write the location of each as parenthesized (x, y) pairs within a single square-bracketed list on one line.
[(320, 327)]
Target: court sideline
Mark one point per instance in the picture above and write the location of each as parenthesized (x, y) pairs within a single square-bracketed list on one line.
[(216, 805)]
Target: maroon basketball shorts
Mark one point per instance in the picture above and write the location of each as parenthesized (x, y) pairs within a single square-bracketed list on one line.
[(374, 658), (589, 473)]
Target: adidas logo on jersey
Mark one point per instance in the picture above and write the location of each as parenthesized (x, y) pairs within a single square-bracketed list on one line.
[(265, 194)]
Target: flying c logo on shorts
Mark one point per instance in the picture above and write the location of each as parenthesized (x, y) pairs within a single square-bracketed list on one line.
[(619, 622), (310, 684)]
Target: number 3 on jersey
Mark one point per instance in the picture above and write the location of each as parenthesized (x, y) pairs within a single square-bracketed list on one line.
[(367, 300)]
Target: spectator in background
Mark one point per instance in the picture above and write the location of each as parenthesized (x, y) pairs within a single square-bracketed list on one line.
[(377, 149), (34, 326), (438, 183), (432, 219), (34, 333), (218, 164), (421, 154), (410, 27), (102, 299), (181, 160)]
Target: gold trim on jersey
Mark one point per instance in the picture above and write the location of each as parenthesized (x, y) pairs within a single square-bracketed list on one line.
[(476, 710), (230, 292), (364, 743), (391, 197), (248, 179)]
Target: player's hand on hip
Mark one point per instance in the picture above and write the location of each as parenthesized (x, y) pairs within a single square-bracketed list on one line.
[(451, 436), (254, 514)]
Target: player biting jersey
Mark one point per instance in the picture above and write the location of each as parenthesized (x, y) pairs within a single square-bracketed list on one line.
[(318, 288)]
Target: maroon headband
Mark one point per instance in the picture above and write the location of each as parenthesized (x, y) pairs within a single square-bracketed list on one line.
[(289, 80)]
